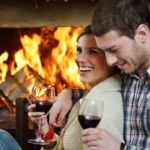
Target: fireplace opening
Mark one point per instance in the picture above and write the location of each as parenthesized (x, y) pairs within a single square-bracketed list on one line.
[(37, 42), (29, 55), (48, 50)]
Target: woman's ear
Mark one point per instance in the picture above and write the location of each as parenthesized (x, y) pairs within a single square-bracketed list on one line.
[(141, 33)]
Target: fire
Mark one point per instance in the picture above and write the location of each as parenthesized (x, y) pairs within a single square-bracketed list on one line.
[(29, 54), (3, 66), (53, 62)]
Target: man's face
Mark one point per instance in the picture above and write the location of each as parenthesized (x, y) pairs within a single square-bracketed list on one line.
[(121, 51)]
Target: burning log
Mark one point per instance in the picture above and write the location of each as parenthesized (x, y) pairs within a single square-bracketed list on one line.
[(18, 86), (6, 101)]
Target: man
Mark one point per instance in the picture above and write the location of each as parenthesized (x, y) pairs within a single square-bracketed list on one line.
[(122, 31)]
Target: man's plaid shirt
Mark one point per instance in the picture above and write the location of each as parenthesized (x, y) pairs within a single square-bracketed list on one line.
[(136, 94)]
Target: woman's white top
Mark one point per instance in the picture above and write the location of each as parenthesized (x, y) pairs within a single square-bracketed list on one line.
[(108, 92)]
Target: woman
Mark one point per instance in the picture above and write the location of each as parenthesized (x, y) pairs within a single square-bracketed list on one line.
[(105, 86)]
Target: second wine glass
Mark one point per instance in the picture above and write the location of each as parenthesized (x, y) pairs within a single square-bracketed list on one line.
[(89, 113)]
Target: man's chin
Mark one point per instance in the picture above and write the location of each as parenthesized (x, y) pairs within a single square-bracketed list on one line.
[(127, 71)]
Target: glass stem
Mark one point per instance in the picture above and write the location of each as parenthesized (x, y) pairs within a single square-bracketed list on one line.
[(40, 128)]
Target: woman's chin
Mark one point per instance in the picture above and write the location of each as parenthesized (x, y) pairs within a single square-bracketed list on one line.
[(84, 80)]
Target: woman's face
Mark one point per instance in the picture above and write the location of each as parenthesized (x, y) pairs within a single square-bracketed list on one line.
[(91, 61)]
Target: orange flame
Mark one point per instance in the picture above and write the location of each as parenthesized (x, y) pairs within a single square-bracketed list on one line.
[(59, 67), (3, 66)]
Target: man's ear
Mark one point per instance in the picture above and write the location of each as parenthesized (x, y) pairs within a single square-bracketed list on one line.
[(141, 33)]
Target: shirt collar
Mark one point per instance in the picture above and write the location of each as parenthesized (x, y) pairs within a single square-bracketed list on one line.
[(146, 75)]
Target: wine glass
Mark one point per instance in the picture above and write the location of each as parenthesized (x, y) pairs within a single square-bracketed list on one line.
[(89, 113), (42, 96)]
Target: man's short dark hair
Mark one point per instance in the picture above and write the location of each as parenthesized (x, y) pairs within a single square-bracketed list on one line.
[(124, 16)]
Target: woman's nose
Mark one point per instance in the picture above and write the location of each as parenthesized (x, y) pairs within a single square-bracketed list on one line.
[(81, 57)]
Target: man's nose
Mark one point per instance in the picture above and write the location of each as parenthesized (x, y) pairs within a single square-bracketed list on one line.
[(111, 59)]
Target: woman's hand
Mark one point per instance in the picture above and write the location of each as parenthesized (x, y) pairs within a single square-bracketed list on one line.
[(39, 118)]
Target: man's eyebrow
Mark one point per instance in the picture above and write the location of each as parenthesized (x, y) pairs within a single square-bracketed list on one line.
[(98, 49), (111, 48)]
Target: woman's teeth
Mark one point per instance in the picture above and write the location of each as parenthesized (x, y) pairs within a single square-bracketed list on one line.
[(85, 68)]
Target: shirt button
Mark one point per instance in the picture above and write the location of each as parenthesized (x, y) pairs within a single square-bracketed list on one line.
[(148, 96)]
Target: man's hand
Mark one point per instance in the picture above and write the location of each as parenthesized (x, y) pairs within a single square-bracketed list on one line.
[(99, 139), (60, 108)]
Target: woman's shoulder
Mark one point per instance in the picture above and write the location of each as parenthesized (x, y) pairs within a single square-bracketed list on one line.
[(110, 89), (113, 83)]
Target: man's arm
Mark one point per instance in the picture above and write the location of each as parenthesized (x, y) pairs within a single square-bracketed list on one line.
[(63, 105)]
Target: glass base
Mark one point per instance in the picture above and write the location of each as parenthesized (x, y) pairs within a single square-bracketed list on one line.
[(38, 142)]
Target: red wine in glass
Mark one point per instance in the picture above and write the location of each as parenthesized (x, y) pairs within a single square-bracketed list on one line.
[(87, 121), (42, 106), (42, 96)]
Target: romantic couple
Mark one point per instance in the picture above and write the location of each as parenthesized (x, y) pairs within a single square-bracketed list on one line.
[(118, 38)]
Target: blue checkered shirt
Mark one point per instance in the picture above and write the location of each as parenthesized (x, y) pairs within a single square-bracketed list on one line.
[(136, 93)]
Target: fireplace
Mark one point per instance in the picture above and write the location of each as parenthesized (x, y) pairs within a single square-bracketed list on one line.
[(28, 25), (42, 53), (38, 20)]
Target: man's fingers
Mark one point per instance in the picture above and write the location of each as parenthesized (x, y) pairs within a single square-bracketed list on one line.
[(61, 120), (57, 119), (60, 108), (53, 119), (53, 114)]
